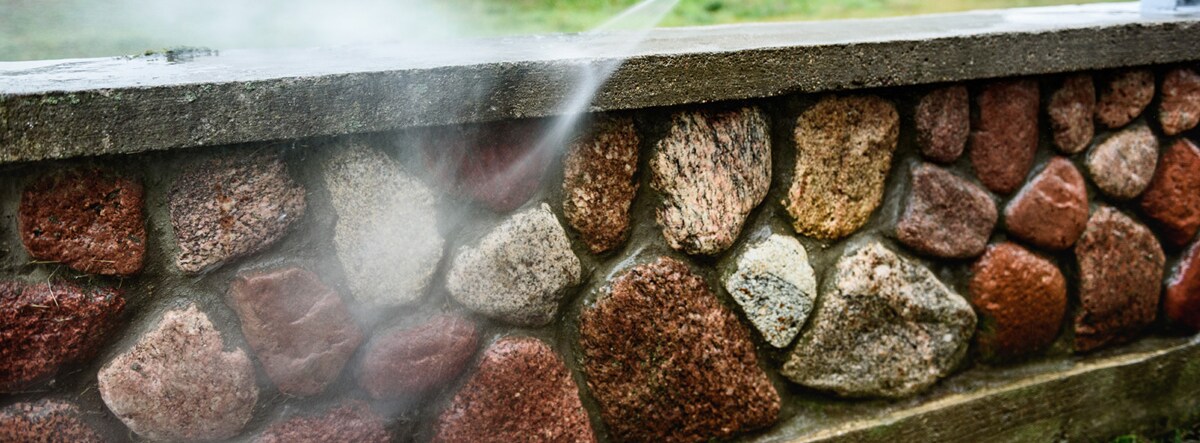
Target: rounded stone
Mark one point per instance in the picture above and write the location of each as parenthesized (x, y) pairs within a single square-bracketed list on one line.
[(521, 391), (598, 184), (1020, 299), (1122, 165), (1052, 209), (775, 286), (1071, 110), (1120, 278), (177, 383), (666, 361), (519, 271), (1182, 300), (1123, 96), (943, 118), (945, 215), (1005, 134), (885, 327), (404, 363), (88, 219), (49, 325), (499, 165), (1179, 109), (350, 422), (1172, 200), (844, 148), (45, 421), (712, 169), (298, 327)]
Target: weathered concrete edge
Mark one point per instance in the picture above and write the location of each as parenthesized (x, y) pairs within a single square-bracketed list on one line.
[(1091, 401)]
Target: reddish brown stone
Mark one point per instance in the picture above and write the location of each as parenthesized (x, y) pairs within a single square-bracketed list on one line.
[(1179, 109), (1123, 96), (945, 215), (298, 328), (86, 218), (1005, 136), (1182, 301), (1021, 299), (943, 123), (667, 361), (351, 422), (45, 421), (1120, 277), (598, 185), (47, 325), (410, 362), (522, 391), (1172, 200), (1070, 110), (1052, 209), (500, 165)]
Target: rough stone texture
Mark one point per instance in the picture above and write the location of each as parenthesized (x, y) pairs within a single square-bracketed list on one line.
[(500, 165), (1004, 137), (1052, 209), (1020, 299), (86, 218), (1122, 165), (1120, 278), (1179, 109), (176, 383), (667, 361), (598, 185), (232, 206), (712, 169), (298, 327), (945, 215), (351, 422), (409, 362), (1071, 110), (519, 271), (885, 327), (1182, 300), (776, 287), (47, 325), (844, 149), (1123, 96), (386, 235), (1172, 200), (943, 118), (521, 391), (45, 421)]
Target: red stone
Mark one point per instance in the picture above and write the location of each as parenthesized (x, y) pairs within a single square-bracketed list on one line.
[(599, 185), (1070, 110), (1172, 201), (298, 328), (1182, 301), (1179, 109), (351, 422), (522, 392), (943, 120), (1052, 209), (45, 421), (1021, 300), (48, 325), (945, 215), (500, 165), (1005, 135), (1123, 97), (410, 362), (86, 218), (1120, 278)]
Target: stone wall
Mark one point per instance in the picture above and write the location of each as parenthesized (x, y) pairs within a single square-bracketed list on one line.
[(764, 269)]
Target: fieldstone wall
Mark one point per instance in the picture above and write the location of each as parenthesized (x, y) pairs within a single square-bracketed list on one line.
[(736, 270)]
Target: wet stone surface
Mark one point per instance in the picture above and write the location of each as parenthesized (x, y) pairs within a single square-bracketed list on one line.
[(87, 219), (299, 329), (45, 421), (521, 391), (1051, 210), (1123, 96), (232, 206), (1182, 300), (945, 215), (775, 286), (519, 271), (401, 363), (351, 422), (1020, 298), (943, 119), (499, 165), (1172, 200), (599, 186), (1122, 165), (177, 384), (844, 149), (1004, 137), (885, 327), (712, 169), (1120, 277), (44, 326), (1071, 110), (648, 354), (1179, 109)]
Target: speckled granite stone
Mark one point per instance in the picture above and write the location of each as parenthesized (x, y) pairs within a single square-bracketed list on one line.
[(598, 184)]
